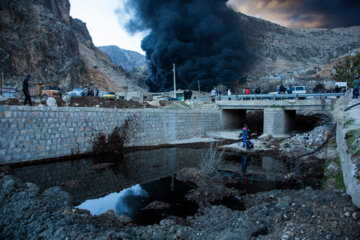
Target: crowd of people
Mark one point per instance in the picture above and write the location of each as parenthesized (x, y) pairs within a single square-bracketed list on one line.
[(188, 92)]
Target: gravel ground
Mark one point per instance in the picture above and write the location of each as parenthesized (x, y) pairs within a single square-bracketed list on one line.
[(27, 213)]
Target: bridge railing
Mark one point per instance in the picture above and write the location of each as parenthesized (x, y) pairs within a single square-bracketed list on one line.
[(254, 97)]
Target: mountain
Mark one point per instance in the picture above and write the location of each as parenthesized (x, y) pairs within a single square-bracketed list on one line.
[(129, 60), (40, 38), (278, 49)]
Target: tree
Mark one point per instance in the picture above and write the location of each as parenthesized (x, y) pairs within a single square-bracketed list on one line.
[(348, 69)]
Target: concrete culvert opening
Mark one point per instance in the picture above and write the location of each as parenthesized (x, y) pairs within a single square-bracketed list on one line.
[(307, 122), (236, 118)]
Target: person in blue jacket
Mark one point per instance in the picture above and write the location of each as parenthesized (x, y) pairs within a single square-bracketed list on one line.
[(245, 133)]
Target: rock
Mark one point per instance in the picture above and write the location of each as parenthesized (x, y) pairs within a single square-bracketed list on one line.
[(34, 189), (242, 234), (167, 222), (51, 102), (355, 215), (283, 205), (8, 185), (157, 205), (331, 169), (66, 99)]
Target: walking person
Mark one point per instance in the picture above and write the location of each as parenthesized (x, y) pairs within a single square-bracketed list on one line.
[(25, 89), (355, 86)]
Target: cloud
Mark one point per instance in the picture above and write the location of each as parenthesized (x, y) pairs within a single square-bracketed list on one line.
[(302, 13)]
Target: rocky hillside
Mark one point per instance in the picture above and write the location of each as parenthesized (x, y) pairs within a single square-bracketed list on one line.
[(278, 49), (129, 60), (39, 37)]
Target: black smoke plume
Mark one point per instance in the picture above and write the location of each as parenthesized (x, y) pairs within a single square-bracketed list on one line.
[(202, 37)]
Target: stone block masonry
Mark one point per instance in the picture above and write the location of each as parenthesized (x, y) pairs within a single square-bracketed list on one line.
[(34, 133)]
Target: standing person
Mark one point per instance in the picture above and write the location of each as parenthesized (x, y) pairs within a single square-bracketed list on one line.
[(25, 89), (282, 89), (257, 90), (289, 90), (229, 94), (86, 91), (213, 94), (185, 93), (245, 133), (355, 86), (189, 94), (96, 92)]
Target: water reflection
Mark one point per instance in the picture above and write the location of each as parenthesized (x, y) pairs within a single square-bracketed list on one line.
[(91, 178), (115, 201), (250, 168)]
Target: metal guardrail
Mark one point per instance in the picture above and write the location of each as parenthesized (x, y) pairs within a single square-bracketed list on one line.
[(255, 97)]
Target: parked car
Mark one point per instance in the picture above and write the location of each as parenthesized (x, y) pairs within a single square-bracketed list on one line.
[(76, 92), (109, 95), (49, 90)]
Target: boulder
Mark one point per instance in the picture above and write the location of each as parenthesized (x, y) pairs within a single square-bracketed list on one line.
[(51, 102)]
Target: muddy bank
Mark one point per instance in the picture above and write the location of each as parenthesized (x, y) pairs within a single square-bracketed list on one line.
[(27, 213)]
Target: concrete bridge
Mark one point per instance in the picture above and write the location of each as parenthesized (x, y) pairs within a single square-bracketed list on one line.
[(279, 110)]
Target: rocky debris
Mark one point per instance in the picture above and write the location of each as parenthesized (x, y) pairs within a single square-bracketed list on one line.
[(209, 188), (157, 205), (306, 142), (26, 213)]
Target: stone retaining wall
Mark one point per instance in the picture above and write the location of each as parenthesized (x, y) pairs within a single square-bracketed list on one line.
[(346, 122), (34, 133)]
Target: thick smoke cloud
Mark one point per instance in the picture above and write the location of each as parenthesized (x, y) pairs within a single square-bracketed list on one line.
[(303, 13), (202, 37)]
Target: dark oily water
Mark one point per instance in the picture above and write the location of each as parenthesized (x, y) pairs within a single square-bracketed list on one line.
[(129, 184), (92, 178), (261, 173)]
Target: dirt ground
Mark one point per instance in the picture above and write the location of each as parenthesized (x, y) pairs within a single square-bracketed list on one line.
[(89, 101)]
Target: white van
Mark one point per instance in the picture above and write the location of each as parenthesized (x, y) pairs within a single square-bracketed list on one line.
[(295, 90), (298, 89), (342, 86)]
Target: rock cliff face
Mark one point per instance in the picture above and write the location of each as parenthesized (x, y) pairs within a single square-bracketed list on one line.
[(39, 37), (129, 60), (280, 49)]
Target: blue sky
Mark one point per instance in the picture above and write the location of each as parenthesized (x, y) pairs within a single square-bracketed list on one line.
[(103, 24)]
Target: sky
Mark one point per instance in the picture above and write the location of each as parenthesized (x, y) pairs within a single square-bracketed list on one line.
[(105, 19), (104, 25)]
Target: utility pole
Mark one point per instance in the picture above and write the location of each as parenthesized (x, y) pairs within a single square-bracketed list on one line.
[(199, 85), (174, 71), (2, 84)]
